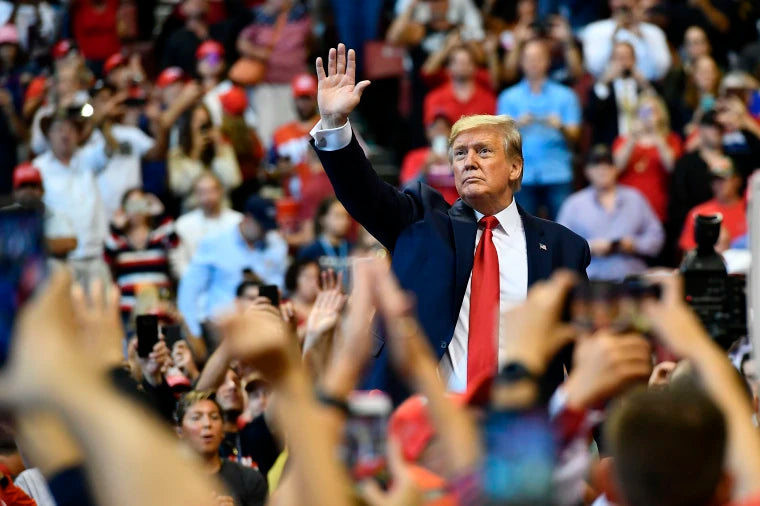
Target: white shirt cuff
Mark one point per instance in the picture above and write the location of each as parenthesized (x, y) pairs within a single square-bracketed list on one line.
[(331, 139), (601, 90)]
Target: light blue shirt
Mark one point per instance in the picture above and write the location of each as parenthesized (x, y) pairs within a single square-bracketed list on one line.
[(208, 286), (547, 156)]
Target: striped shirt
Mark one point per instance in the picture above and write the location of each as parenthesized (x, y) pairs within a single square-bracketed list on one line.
[(147, 266)]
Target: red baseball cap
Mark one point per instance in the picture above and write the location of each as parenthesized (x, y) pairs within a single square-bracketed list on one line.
[(304, 85), (234, 101), (36, 88), (209, 47), (169, 76), (411, 426), (113, 61), (63, 48), (26, 173)]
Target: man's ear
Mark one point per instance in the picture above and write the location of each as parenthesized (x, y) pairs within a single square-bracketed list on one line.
[(178, 430), (607, 481), (516, 169)]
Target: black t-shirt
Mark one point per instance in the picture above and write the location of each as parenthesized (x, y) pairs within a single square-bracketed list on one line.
[(246, 486)]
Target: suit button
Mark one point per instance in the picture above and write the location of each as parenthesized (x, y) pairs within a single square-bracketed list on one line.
[(322, 143), (443, 344)]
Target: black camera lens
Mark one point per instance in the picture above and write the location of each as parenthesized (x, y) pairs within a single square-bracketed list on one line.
[(707, 230)]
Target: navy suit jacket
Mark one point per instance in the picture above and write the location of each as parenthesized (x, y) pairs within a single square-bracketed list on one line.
[(433, 246)]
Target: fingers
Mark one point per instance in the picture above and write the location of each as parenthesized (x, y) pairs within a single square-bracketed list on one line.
[(351, 64), (359, 88), (372, 493), (341, 66), (332, 62), (320, 69)]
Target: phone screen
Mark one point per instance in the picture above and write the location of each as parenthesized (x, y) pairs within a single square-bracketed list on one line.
[(22, 266), (147, 333), (172, 334), (272, 293)]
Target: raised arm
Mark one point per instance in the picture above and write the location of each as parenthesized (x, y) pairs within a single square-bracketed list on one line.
[(378, 206)]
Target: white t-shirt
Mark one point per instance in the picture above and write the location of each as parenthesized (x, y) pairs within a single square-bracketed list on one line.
[(123, 170), (72, 191)]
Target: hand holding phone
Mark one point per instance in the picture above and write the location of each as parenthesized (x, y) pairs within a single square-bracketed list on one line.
[(272, 293)]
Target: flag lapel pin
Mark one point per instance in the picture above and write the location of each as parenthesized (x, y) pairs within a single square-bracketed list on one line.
[(542, 246)]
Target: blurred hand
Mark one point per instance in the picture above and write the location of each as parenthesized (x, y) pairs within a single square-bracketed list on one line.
[(338, 92), (604, 364), (612, 72), (224, 500), (99, 321), (259, 337), (533, 332), (526, 119), (554, 121), (403, 491), (158, 362), (627, 245), (600, 247)]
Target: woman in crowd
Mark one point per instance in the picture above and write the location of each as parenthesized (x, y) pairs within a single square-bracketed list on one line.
[(200, 424), (700, 94), (647, 156), (137, 250), (201, 148), (302, 284), (331, 226)]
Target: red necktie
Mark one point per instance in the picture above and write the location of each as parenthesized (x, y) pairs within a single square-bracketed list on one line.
[(484, 304)]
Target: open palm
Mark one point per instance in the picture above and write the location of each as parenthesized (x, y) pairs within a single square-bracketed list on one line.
[(338, 93)]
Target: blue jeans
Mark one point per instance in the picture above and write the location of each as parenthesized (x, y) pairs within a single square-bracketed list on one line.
[(550, 196)]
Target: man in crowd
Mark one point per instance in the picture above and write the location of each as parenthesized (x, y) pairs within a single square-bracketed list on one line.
[(182, 45), (69, 177), (727, 200), (210, 216), (217, 266), (617, 221), (548, 116), (462, 95), (614, 98), (432, 242), (28, 191), (625, 24)]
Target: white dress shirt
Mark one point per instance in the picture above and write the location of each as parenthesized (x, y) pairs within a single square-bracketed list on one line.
[(626, 99), (649, 44), (511, 249)]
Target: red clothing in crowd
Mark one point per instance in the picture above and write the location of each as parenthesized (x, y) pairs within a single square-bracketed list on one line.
[(412, 167), (646, 172), (734, 220), (95, 29), (442, 100)]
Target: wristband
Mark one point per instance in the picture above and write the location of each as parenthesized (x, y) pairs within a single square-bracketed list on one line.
[(332, 402)]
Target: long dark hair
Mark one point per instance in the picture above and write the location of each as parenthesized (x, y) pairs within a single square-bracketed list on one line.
[(322, 210), (186, 135)]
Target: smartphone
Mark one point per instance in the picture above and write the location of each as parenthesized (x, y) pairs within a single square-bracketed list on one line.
[(23, 266), (363, 449), (272, 293), (147, 333), (172, 334)]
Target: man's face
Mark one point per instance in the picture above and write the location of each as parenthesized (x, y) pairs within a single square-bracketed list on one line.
[(63, 137), (602, 176), (624, 56), (28, 194), (726, 189), (482, 169), (710, 136), (228, 395), (461, 66), (181, 355), (696, 43), (202, 427), (535, 59), (209, 194), (250, 228), (67, 81), (195, 8), (306, 107)]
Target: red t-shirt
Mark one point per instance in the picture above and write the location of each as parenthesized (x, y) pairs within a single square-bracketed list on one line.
[(414, 162), (443, 100), (734, 220), (95, 29), (646, 172)]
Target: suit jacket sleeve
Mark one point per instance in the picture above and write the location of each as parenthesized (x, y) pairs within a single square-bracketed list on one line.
[(377, 206)]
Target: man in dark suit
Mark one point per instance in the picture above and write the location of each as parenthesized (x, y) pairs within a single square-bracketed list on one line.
[(432, 243)]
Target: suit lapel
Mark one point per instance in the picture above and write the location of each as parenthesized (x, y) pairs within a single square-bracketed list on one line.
[(465, 229), (539, 256)]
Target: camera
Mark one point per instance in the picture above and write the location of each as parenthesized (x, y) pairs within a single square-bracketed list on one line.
[(718, 299)]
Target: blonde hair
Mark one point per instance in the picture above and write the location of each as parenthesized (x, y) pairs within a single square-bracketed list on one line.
[(653, 99), (502, 124)]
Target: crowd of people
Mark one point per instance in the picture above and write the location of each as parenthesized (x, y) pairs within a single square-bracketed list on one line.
[(192, 164)]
